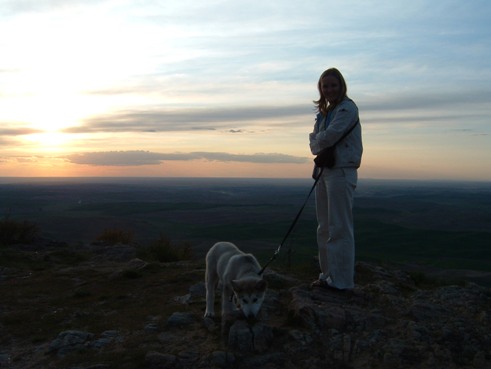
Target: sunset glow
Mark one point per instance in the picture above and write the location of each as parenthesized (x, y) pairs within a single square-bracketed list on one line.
[(139, 88)]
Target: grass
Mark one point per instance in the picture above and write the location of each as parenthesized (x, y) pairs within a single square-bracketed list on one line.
[(59, 288), (115, 236), (164, 250), (14, 231), (73, 295)]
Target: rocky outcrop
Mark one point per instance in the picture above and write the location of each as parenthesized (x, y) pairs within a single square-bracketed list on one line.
[(390, 320), (387, 323), (391, 323), (71, 341)]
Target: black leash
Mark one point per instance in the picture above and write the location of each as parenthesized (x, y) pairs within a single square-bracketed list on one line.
[(293, 224)]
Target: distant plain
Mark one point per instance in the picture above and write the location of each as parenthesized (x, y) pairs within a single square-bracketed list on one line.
[(430, 224)]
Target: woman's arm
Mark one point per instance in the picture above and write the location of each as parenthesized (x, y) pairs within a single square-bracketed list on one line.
[(345, 115)]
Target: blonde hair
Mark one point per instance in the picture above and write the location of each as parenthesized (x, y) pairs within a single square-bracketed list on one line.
[(322, 105)]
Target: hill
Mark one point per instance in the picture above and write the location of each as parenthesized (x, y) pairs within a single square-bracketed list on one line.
[(102, 306)]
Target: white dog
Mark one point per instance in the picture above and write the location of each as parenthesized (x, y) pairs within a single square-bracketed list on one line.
[(239, 275)]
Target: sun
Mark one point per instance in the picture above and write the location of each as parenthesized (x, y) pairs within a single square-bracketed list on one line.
[(43, 117), (50, 141), (48, 128), (61, 74)]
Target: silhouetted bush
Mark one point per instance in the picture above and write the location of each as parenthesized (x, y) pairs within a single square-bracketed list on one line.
[(115, 236), (164, 250), (14, 231)]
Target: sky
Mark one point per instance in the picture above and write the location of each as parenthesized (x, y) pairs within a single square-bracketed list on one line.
[(224, 88)]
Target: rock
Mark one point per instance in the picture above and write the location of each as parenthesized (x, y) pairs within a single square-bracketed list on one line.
[(262, 337), (386, 322), (151, 327), (70, 341), (179, 319), (137, 264), (153, 324), (341, 347), (302, 310), (160, 361), (106, 338), (222, 359), (300, 337), (209, 324), (422, 311), (244, 337), (331, 317), (240, 337), (185, 300), (188, 359), (8, 273), (276, 279), (273, 360), (197, 290), (479, 360), (196, 293), (5, 360), (315, 311), (118, 252)]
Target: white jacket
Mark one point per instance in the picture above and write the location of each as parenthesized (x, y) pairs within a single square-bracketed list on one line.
[(349, 151)]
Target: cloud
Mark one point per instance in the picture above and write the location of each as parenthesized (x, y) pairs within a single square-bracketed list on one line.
[(20, 131), (116, 158), (456, 100), (185, 119), (140, 157), (15, 7), (265, 158), (23, 159), (8, 135)]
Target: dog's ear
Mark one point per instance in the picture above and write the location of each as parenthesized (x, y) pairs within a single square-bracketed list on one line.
[(261, 285), (235, 285)]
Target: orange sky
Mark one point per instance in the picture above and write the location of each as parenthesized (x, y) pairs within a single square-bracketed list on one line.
[(189, 89)]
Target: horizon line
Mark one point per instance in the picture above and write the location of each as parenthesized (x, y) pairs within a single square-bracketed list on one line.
[(416, 180)]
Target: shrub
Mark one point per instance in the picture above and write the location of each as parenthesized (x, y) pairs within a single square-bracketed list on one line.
[(14, 232), (115, 236), (164, 250)]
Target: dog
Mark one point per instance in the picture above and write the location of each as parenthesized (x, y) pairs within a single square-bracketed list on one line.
[(239, 276)]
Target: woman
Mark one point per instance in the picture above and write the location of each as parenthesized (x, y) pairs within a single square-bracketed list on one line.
[(336, 115)]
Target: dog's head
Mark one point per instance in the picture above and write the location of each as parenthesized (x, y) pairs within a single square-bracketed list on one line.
[(249, 295)]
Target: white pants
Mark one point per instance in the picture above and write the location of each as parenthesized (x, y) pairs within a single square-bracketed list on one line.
[(335, 235)]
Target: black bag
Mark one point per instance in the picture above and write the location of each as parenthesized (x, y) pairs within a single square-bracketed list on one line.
[(326, 158)]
